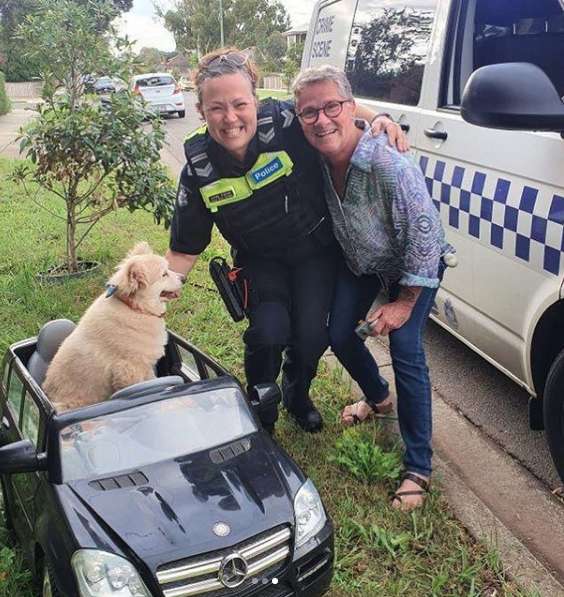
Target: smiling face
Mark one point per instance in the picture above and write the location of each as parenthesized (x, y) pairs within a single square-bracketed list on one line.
[(230, 110), (334, 137)]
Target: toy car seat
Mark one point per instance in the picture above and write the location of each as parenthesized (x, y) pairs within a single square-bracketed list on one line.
[(49, 339)]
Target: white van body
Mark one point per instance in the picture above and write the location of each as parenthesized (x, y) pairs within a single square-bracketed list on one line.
[(500, 193)]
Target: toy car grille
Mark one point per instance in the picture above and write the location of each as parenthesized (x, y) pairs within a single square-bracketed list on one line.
[(264, 555)]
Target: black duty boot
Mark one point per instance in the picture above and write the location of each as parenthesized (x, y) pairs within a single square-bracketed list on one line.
[(310, 421), (295, 393), (304, 413)]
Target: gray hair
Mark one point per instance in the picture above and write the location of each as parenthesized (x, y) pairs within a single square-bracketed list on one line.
[(319, 74)]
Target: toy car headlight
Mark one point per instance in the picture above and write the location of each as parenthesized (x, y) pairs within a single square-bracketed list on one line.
[(309, 512), (100, 573)]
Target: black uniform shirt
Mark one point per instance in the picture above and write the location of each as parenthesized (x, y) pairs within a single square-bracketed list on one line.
[(192, 222)]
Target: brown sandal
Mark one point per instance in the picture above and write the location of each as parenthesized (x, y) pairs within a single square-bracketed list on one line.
[(377, 411), (423, 483)]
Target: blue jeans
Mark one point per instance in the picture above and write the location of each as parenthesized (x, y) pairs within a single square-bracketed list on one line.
[(353, 298)]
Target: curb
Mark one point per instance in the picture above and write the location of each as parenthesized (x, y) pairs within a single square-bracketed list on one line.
[(500, 503), (518, 562)]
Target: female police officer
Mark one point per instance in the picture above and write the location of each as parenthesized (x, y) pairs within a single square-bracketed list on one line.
[(250, 172)]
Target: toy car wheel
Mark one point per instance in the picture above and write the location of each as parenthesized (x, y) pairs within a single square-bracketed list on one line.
[(181, 113), (554, 412), (48, 587)]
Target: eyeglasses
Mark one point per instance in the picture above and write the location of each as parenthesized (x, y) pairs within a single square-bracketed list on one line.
[(331, 109)]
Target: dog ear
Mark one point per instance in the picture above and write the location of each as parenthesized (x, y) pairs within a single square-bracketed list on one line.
[(141, 248), (136, 276), (129, 278)]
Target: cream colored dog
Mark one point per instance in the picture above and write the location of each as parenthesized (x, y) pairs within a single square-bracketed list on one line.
[(120, 337)]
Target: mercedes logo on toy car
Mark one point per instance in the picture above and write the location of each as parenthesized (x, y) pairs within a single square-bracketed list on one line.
[(233, 571)]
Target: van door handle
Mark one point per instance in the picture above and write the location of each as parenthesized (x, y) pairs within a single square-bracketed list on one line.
[(405, 127), (433, 134)]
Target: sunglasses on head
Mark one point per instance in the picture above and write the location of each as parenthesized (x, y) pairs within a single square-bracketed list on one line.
[(231, 58)]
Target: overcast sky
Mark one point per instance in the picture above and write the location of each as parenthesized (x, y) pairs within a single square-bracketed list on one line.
[(141, 25)]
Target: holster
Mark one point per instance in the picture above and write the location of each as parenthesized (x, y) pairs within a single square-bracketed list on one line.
[(231, 288)]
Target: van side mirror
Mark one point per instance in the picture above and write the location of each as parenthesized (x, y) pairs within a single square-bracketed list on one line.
[(265, 398), (21, 457), (513, 96)]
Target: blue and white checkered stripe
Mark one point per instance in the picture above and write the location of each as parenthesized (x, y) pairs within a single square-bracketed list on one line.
[(516, 219)]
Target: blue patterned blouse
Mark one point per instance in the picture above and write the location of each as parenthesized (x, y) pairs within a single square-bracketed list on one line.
[(386, 223)]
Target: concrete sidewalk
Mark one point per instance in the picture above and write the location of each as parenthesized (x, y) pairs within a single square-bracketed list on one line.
[(10, 124), (496, 499)]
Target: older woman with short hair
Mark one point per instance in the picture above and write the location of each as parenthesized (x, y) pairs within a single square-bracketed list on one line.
[(392, 240)]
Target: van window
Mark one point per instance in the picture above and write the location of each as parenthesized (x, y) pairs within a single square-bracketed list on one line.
[(387, 49), (508, 31)]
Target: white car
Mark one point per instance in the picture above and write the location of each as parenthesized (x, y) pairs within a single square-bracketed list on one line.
[(161, 92)]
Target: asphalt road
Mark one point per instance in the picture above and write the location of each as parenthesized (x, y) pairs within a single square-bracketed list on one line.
[(489, 399), (465, 381)]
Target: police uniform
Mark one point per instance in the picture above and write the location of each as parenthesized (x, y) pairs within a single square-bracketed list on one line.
[(272, 211)]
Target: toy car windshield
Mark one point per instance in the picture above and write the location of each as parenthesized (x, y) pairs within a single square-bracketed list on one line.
[(153, 432)]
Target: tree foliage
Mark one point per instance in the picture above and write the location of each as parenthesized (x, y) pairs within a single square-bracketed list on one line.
[(195, 23), (13, 13), (271, 52), (151, 59), (95, 156), (292, 62)]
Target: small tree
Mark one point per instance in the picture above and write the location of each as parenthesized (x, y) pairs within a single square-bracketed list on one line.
[(292, 63), (95, 156)]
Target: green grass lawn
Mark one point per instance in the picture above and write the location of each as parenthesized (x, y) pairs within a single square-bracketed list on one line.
[(282, 95), (379, 551)]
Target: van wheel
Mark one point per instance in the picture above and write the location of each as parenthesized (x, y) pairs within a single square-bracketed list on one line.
[(181, 113), (554, 412)]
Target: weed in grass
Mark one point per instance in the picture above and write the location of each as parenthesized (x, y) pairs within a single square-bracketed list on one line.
[(378, 538), (357, 452)]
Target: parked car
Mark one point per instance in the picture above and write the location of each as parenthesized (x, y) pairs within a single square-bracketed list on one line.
[(107, 85), (500, 193), (186, 83), (161, 92), (170, 488)]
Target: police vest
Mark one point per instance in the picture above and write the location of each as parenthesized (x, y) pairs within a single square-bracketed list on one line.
[(273, 205)]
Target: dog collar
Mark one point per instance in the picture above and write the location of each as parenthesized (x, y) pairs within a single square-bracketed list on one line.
[(127, 301)]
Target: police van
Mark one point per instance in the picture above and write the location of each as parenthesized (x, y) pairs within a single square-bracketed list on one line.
[(473, 82)]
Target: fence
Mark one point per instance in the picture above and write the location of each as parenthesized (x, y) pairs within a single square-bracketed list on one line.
[(26, 90), (274, 81)]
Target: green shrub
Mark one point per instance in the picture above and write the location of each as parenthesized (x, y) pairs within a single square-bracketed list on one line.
[(4, 101), (357, 452)]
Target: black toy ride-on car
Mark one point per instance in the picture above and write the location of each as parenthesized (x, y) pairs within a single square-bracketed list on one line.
[(170, 488)]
